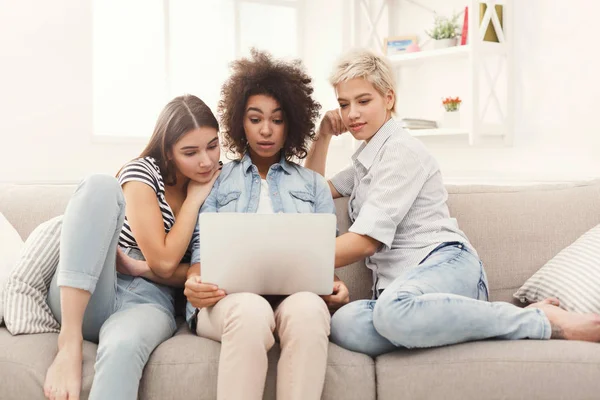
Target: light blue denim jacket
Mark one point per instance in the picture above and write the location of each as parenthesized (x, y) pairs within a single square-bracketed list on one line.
[(292, 189)]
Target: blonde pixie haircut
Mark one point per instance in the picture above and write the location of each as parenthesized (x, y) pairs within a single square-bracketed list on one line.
[(363, 63)]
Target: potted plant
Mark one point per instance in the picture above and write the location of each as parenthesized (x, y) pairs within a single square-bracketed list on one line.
[(445, 31), (451, 104), (451, 116)]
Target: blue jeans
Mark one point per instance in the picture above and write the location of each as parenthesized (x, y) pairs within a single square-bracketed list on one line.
[(443, 301), (127, 316)]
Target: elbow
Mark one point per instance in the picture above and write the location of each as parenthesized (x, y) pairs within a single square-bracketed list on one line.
[(372, 248), (369, 252), (163, 268)]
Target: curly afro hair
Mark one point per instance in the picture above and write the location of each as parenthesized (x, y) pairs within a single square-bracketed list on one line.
[(286, 82)]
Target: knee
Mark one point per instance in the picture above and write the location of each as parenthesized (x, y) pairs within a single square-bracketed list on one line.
[(105, 187), (395, 319), (304, 313), (342, 324), (249, 315), (346, 330)]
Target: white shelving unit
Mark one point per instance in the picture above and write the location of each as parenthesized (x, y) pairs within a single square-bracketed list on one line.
[(438, 132), (429, 55), (488, 65)]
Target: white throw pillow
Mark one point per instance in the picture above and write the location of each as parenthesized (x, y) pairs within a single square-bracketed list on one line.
[(10, 249), (572, 276)]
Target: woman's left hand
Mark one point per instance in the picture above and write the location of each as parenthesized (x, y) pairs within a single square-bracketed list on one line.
[(197, 191), (339, 297), (130, 266)]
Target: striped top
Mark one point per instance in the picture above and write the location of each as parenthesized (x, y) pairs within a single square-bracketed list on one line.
[(147, 171), (397, 197)]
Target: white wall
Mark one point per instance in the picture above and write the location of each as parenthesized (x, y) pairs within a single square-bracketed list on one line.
[(45, 93)]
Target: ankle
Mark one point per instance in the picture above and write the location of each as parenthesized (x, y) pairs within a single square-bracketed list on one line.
[(557, 332), (69, 339)]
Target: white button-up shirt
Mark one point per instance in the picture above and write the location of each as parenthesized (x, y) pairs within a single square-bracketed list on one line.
[(397, 197)]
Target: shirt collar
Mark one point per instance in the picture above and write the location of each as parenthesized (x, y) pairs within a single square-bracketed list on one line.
[(283, 164), (367, 151)]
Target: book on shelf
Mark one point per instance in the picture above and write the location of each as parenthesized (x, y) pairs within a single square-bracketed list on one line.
[(417, 123), (465, 29), (490, 32)]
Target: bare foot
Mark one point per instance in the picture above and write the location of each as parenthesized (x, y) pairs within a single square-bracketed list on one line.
[(63, 379), (550, 300), (570, 325)]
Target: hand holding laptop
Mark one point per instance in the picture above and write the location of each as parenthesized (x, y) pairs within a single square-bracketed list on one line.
[(202, 294), (339, 297)]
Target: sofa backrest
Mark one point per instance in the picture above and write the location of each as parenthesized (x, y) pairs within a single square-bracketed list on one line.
[(27, 206), (515, 229)]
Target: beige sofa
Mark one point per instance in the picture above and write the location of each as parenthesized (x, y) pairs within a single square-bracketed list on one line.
[(515, 229)]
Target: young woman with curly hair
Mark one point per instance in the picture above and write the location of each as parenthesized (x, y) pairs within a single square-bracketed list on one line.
[(268, 118)]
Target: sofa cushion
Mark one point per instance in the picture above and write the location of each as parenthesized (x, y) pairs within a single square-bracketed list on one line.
[(572, 276), (189, 358), (25, 307), (25, 359), (520, 369), (10, 248)]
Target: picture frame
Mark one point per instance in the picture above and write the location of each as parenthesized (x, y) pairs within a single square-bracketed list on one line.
[(398, 44)]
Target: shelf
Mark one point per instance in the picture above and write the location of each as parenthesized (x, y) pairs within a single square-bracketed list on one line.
[(439, 54), (437, 132)]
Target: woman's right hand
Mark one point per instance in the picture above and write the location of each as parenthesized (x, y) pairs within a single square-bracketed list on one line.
[(200, 294), (332, 124)]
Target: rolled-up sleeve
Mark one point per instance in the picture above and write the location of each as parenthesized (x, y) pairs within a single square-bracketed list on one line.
[(210, 205), (397, 179), (323, 200), (343, 181)]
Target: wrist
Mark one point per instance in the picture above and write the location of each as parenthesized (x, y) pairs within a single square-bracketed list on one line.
[(323, 138), (190, 274), (194, 202), (147, 274)]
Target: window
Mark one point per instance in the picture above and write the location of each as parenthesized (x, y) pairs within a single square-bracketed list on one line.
[(146, 52)]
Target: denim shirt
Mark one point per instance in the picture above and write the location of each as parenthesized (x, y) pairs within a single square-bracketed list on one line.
[(292, 189)]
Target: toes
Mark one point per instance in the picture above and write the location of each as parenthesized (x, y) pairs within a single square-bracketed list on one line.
[(552, 300)]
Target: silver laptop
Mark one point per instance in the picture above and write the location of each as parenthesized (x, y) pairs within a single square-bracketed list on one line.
[(268, 253)]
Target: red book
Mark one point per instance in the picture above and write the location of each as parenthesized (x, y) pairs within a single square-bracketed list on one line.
[(465, 29)]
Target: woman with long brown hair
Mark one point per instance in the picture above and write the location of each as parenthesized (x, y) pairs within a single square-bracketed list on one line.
[(147, 213)]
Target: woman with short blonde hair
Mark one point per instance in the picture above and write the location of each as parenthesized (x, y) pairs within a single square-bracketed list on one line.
[(429, 285)]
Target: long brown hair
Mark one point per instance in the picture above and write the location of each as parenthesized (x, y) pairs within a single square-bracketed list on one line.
[(181, 115)]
